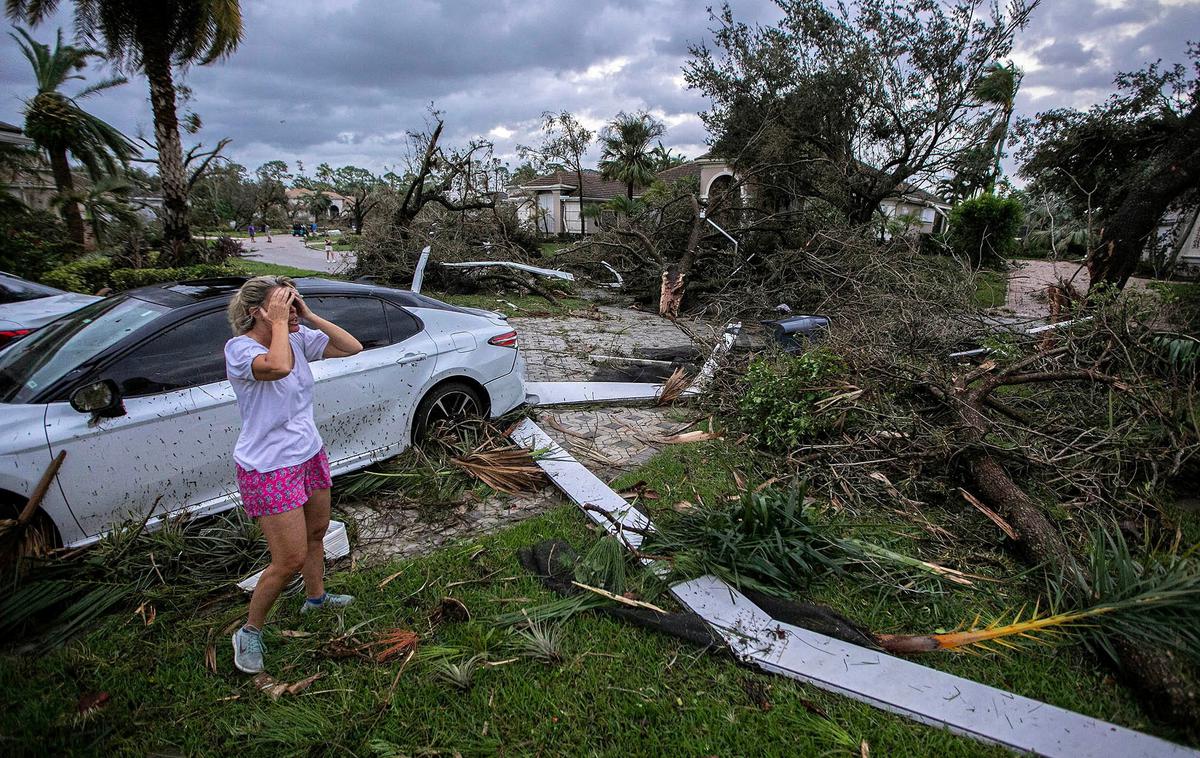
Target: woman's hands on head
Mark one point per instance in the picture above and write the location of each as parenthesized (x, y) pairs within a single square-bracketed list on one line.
[(301, 307), (278, 308)]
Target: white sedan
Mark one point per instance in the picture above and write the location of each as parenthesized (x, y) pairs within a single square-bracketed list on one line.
[(133, 388)]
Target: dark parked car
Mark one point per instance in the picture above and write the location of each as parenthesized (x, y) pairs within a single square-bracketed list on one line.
[(27, 306)]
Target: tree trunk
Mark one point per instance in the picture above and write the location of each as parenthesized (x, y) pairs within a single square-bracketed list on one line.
[(176, 233), (670, 296), (579, 183), (1158, 672), (1145, 200), (66, 189)]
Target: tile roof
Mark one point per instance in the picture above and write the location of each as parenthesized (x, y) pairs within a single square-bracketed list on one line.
[(594, 186)]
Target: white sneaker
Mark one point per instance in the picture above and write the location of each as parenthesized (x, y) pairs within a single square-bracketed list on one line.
[(248, 651), (327, 601)]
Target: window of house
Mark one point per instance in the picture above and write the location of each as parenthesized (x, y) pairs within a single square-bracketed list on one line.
[(187, 355)]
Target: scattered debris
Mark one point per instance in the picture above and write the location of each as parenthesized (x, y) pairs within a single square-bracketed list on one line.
[(337, 545), (909, 689), (419, 273), (547, 272), (91, 703), (276, 689), (450, 609), (395, 643)]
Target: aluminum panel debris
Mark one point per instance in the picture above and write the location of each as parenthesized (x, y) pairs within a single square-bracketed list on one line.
[(709, 369), (337, 545), (574, 393), (581, 485), (548, 272), (419, 272), (909, 689)]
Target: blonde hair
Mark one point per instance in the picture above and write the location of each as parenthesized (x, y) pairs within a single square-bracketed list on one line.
[(250, 297)]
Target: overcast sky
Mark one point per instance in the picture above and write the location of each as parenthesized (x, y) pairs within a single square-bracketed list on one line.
[(342, 80)]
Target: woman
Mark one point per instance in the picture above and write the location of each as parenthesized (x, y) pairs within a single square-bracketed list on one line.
[(282, 468)]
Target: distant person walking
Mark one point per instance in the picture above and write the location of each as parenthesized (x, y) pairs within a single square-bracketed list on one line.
[(267, 231), (250, 229), (282, 468), (328, 251)]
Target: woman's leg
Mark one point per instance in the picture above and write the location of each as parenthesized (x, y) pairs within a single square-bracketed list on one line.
[(316, 522), (287, 538)]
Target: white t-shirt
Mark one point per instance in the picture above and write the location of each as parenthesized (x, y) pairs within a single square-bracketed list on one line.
[(277, 416)]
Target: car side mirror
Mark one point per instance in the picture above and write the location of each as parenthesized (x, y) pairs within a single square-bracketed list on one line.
[(101, 398)]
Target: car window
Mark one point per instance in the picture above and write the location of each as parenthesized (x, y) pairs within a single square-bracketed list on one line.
[(361, 316), (186, 355), (401, 324), (16, 290), (31, 364)]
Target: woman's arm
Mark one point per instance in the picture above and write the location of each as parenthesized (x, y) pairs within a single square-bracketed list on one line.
[(277, 362), (341, 342)]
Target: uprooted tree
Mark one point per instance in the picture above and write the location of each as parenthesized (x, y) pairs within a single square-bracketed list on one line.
[(1046, 435), (448, 198), (1125, 162), (850, 102)]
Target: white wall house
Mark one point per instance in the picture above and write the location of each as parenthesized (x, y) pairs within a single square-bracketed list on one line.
[(550, 203)]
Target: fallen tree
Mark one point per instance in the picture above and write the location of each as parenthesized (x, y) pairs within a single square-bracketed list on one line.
[(1042, 434)]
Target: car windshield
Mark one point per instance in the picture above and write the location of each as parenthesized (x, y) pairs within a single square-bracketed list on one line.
[(14, 290), (48, 354)]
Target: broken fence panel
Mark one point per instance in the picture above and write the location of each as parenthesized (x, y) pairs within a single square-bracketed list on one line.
[(909, 689), (553, 273), (337, 545)]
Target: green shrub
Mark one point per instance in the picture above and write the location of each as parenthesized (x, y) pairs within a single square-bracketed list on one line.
[(766, 541), (985, 229), (33, 242), (780, 403), (84, 275), (132, 278)]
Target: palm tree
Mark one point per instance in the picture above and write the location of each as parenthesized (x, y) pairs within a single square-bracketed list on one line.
[(664, 158), (151, 38), (626, 155), (998, 86), (59, 126), (107, 204)]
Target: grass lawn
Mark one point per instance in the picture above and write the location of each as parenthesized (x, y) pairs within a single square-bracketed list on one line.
[(619, 690), (991, 288), (262, 268)]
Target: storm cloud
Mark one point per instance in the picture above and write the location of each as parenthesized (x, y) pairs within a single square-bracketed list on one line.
[(342, 81)]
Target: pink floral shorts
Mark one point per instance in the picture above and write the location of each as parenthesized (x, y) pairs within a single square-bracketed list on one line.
[(265, 493)]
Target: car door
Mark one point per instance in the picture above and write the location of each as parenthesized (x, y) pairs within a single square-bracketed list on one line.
[(363, 404), (173, 447)]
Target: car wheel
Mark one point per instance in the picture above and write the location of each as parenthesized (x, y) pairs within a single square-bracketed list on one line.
[(446, 404)]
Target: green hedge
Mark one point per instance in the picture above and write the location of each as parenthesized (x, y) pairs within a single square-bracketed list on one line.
[(96, 272), (87, 275), (132, 278)]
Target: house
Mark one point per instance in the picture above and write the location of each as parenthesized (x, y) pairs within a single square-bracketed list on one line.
[(925, 212), (1177, 241), (551, 203), (298, 209), (32, 186)]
